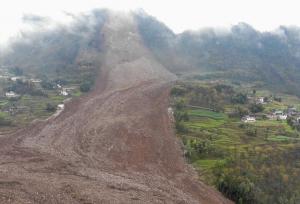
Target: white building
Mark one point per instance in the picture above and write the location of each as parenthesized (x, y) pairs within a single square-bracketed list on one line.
[(11, 94), (248, 119), (35, 80), (282, 117), (64, 92), (260, 100), (60, 106), (278, 113), (15, 78)]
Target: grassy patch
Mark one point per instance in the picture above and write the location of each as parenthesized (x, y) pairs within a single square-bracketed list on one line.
[(206, 164), (204, 123), (77, 93), (281, 138), (206, 113)]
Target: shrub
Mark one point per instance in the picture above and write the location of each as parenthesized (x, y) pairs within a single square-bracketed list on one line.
[(239, 98), (178, 91), (50, 107), (179, 104), (239, 112), (251, 131), (85, 86), (256, 108), (238, 188), (278, 99), (4, 121), (180, 127), (47, 85), (37, 92)]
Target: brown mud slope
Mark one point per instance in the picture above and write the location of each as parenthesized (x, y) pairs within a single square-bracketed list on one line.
[(115, 145)]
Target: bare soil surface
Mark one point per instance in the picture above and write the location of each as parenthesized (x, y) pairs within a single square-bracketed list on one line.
[(115, 145)]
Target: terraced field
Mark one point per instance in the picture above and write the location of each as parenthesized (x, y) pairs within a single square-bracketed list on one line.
[(225, 137)]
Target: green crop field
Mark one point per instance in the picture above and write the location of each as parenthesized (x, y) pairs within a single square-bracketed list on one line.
[(206, 113)]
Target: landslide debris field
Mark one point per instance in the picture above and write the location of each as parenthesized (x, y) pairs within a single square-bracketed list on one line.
[(114, 145)]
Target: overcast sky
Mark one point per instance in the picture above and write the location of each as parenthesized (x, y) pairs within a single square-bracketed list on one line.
[(177, 14)]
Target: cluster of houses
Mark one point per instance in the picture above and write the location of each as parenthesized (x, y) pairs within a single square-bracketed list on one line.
[(12, 110), (64, 91), (61, 90), (10, 94), (259, 100), (275, 115)]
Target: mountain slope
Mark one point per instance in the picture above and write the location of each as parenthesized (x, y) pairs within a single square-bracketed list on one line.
[(115, 145)]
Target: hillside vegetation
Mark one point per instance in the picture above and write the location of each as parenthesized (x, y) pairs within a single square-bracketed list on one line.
[(255, 162)]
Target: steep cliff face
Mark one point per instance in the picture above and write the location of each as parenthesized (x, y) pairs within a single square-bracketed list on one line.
[(115, 145)]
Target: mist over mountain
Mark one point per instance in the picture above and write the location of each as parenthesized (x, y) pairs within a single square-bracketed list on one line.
[(60, 48), (240, 54)]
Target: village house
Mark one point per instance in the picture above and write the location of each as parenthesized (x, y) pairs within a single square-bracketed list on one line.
[(63, 92), (60, 106), (260, 100), (248, 119), (11, 94), (15, 78), (278, 115), (292, 111), (71, 88), (4, 76), (35, 80), (282, 117)]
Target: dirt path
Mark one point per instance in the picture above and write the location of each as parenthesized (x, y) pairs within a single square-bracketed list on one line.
[(115, 145)]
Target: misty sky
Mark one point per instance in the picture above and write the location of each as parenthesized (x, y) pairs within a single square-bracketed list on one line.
[(178, 15)]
